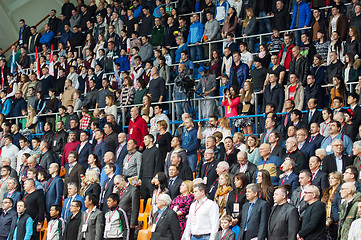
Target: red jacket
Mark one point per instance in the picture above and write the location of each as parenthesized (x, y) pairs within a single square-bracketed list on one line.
[(69, 147), (137, 130), (289, 56)]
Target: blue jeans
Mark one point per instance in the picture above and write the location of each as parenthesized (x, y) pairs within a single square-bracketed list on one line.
[(181, 107), (202, 238), (196, 53), (192, 161), (264, 24), (297, 35)]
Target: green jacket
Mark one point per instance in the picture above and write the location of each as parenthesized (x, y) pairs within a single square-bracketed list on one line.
[(157, 36), (347, 216)]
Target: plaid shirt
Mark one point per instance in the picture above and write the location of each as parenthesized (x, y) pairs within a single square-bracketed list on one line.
[(84, 122)]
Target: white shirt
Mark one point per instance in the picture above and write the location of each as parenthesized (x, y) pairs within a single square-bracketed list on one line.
[(11, 152), (82, 144), (203, 218), (153, 123), (246, 57), (339, 163), (20, 154), (354, 232)]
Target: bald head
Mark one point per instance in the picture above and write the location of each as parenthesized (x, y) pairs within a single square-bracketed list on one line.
[(265, 150), (108, 157), (32, 161), (242, 157)]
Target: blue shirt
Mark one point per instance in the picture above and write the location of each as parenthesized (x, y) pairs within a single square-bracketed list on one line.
[(29, 229)]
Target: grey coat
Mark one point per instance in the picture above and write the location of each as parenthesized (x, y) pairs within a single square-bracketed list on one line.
[(95, 224)]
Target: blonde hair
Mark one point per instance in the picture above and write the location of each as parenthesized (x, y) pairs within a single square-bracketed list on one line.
[(30, 117), (163, 124), (111, 100), (189, 185), (251, 13), (224, 122)]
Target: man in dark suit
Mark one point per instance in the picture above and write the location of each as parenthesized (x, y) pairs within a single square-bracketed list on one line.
[(289, 177), (294, 153), (54, 188), (319, 178), (352, 100), (47, 156), (121, 151), (307, 148), (72, 196), (283, 223), (208, 170), (270, 126), (129, 201), (296, 119), (313, 221), (346, 129), (110, 137), (297, 199), (73, 172), (288, 106), (73, 222), (255, 215), (101, 147), (315, 137), (185, 172), (276, 149), (245, 166), (84, 149), (165, 220), (174, 181), (312, 115), (93, 218), (108, 186), (336, 161)]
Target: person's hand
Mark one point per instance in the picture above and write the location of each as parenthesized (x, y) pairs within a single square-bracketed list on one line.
[(241, 91), (234, 221), (38, 227), (179, 213), (115, 189), (205, 93), (281, 175), (133, 226), (62, 168), (197, 43), (140, 148), (139, 183)]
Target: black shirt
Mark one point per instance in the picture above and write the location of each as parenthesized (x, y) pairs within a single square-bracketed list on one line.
[(36, 205)]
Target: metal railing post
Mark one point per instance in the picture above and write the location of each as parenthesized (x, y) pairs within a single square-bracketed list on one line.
[(173, 117), (256, 112), (123, 116)]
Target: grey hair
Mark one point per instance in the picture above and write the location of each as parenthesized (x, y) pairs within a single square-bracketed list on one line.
[(224, 164), (357, 144), (314, 189), (166, 198), (253, 187), (6, 159), (73, 184), (336, 141), (321, 151)]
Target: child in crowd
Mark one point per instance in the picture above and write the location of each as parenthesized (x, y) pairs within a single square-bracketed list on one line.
[(226, 233), (276, 41), (222, 89)]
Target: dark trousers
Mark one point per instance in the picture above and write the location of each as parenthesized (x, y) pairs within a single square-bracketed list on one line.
[(146, 189)]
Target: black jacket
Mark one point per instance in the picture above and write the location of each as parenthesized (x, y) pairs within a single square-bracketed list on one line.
[(251, 171), (278, 151), (19, 225), (332, 70), (174, 188), (276, 95), (46, 159), (321, 180), (90, 99), (167, 227), (300, 67), (282, 19), (283, 222), (130, 203), (329, 163), (59, 141), (72, 227), (236, 196), (299, 158), (314, 91), (313, 222)]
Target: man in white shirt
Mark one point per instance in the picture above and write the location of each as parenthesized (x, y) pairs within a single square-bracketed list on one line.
[(203, 218), (246, 56), (10, 150)]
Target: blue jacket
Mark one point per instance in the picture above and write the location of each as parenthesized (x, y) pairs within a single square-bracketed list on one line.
[(195, 33), (47, 37), (84, 153), (190, 142), (54, 192), (178, 52), (308, 149), (7, 107), (124, 63), (16, 197), (156, 12), (104, 177), (304, 15), (291, 180), (66, 208), (347, 144), (65, 36), (19, 105), (137, 12), (100, 150), (119, 158), (5, 222), (242, 75), (272, 165), (226, 6)]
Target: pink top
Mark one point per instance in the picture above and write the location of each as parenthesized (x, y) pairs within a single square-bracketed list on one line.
[(231, 110)]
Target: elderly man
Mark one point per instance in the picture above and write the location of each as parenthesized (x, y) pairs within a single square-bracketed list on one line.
[(269, 163), (337, 160), (132, 161), (176, 145), (348, 208), (165, 220), (354, 232), (121, 151), (306, 147), (222, 167), (334, 130), (244, 166), (295, 154), (313, 221), (137, 128), (346, 129), (356, 151), (289, 177), (319, 177)]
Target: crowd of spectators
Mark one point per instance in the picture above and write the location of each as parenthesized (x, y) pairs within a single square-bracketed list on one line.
[(86, 127)]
